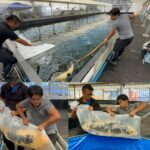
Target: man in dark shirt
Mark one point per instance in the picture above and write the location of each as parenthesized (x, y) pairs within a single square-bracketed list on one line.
[(87, 91), (6, 32), (12, 93)]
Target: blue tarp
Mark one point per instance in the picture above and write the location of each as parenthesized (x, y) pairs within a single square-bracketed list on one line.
[(92, 142), (15, 6)]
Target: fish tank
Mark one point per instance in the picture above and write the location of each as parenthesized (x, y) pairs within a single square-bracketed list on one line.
[(72, 40)]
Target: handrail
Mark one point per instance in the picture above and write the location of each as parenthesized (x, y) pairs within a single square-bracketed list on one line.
[(23, 64)]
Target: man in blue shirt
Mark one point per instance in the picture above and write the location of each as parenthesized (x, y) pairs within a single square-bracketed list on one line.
[(12, 93)]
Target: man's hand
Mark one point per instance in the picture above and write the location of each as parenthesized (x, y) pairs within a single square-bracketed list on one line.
[(2, 110), (132, 113), (14, 113), (75, 109), (111, 111), (91, 108), (73, 113), (136, 14), (41, 127), (23, 42), (26, 121), (112, 114), (29, 44), (106, 40)]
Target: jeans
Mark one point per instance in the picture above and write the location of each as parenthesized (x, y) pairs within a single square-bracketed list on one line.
[(120, 46)]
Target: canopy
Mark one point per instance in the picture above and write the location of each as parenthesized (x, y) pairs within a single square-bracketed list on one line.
[(92, 142), (16, 6)]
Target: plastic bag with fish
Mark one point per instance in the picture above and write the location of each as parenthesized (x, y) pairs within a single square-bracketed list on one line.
[(26, 136), (101, 123)]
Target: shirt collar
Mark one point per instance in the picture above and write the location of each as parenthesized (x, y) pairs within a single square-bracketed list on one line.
[(42, 103)]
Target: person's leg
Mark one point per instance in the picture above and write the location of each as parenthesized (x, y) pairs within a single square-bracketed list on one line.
[(8, 66), (126, 42), (10, 145), (53, 137), (7, 59), (117, 47)]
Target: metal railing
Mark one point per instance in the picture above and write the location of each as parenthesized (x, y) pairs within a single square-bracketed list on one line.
[(145, 17), (107, 92), (23, 66)]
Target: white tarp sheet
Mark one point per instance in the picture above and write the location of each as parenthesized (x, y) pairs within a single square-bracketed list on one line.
[(32, 51)]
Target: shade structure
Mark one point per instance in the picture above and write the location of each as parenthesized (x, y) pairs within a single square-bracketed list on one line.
[(18, 6)]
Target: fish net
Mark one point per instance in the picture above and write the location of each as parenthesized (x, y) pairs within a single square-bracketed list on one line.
[(101, 123), (26, 136)]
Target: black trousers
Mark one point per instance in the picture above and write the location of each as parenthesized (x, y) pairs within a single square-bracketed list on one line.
[(53, 137), (120, 46), (7, 58), (74, 123), (10, 145)]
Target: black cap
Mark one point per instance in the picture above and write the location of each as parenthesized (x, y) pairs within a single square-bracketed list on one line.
[(14, 17), (114, 12)]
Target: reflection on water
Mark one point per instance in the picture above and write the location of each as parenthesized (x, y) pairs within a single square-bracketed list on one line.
[(38, 33), (76, 46)]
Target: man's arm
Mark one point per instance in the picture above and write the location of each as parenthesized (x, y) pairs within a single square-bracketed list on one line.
[(20, 110), (2, 91), (139, 108), (74, 113), (54, 116), (113, 32), (2, 95), (14, 37), (23, 42), (111, 110), (132, 16)]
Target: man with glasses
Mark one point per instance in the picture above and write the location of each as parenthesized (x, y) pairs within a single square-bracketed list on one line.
[(87, 91)]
